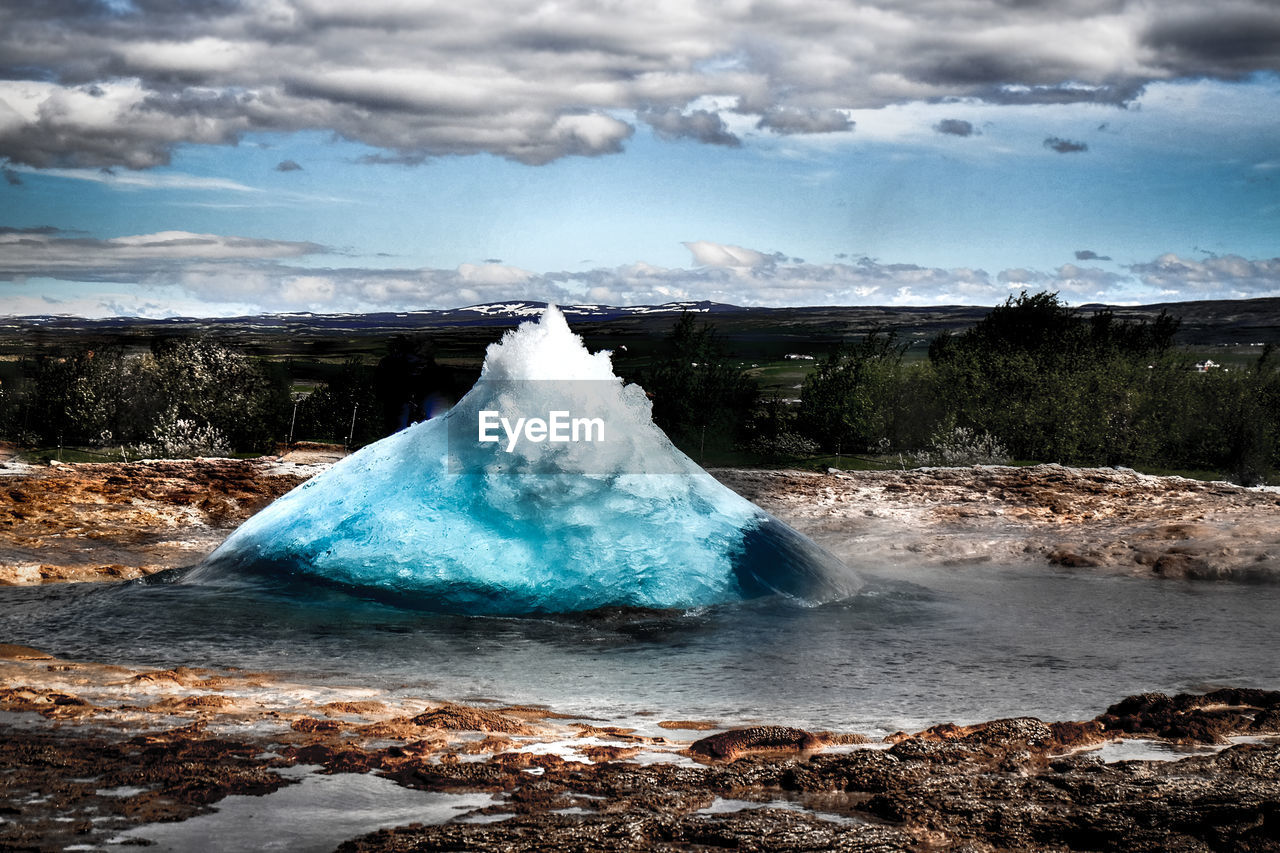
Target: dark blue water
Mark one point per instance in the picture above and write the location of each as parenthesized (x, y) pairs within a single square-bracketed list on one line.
[(914, 649)]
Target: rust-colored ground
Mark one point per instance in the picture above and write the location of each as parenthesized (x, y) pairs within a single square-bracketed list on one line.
[(113, 521), (1105, 519)]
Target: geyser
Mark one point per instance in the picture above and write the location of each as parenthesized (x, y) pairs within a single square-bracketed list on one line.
[(443, 517)]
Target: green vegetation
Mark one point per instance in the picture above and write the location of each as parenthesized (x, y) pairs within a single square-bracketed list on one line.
[(699, 396), (197, 396), (1037, 380), (1032, 380), (179, 398)]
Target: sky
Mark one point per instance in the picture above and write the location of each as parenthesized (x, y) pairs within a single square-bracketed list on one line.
[(227, 157)]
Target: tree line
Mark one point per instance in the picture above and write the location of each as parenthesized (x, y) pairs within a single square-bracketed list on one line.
[(1035, 380), (198, 396)]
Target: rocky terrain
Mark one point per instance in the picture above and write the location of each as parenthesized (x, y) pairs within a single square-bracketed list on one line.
[(93, 751), (1101, 519), (113, 521)]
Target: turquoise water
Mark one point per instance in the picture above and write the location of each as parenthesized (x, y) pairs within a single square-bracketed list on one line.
[(439, 517)]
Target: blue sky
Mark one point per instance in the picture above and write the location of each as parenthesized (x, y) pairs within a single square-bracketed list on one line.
[(217, 158)]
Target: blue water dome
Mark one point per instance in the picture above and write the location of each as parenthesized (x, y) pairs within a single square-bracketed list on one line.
[(547, 488)]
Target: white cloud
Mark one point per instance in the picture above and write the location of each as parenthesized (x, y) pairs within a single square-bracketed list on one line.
[(87, 86), (212, 275), (1221, 276), (706, 253), (50, 254), (143, 180)]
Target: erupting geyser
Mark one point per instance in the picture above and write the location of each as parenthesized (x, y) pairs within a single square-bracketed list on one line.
[(548, 488)]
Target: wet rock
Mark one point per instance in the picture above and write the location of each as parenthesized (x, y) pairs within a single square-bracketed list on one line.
[(1069, 735), (358, 707), (609, 753), (60, 789), (312, 725), (936, 751), (863, 771), (1193, 718), (334, 758), (994, 786), (8, 651), (749, 830), (1074, 557), (690, 725), (727, 746), (1019, 730), (464, 718), (143, 517)]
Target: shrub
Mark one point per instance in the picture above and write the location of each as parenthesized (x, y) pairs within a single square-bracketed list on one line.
[(850, 400), (963, 446), (787, 445), (697, 392), (176, 437)]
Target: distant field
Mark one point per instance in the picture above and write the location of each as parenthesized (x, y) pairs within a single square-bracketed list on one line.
[(753, 335)]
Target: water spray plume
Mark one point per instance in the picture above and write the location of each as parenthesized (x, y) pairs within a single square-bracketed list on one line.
[(545, 517)]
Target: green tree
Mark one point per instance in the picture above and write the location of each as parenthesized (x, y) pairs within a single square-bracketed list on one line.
[(349, 397), (698, 394), (852, 398), (103, 394), (206, 382), (86, 396), (1052, 384)]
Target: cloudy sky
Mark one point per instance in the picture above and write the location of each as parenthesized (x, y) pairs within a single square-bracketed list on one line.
[(217, 157)]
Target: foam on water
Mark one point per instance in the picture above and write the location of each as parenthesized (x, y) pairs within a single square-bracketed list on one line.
[(430, 517)]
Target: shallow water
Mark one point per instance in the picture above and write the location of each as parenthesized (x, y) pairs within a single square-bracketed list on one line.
[(911, 650), (313, 816)]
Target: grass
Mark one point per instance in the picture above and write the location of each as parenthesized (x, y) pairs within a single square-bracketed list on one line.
[(710, 457), (45, 455)]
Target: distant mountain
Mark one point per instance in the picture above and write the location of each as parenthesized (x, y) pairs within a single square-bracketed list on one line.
[(488, 314), (1214, 322), (509, 310)]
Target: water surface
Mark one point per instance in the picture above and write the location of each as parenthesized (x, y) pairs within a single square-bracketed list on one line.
[(918, 648)]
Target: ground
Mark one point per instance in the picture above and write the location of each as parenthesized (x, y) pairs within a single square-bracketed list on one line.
[(1100, 519), (89, 749), (119, 520)]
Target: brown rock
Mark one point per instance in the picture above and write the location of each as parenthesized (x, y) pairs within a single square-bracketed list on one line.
[(464, 718), (139, 516), (1191, 718), (690, 725), (729, 745), (1073, 558), (8, 651), (311, 725)]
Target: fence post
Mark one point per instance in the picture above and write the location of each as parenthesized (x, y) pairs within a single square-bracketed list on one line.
[(351, 433)]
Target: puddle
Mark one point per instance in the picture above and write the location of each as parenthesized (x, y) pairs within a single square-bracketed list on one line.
[(723, 805), (1142, 749), (122, 791), (23, 720), (485, 818), (313, 816)]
